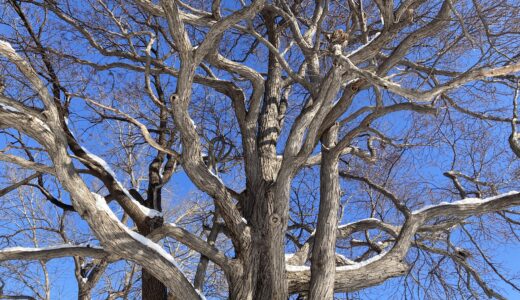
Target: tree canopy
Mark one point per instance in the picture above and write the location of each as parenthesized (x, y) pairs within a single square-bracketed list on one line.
[(303, 149)]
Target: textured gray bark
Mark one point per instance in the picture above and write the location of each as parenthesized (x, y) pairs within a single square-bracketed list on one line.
[(323, 268)]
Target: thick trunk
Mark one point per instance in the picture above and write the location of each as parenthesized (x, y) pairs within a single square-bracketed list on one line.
[(241, 286), (264, 264), (268, 249), (152, 288), (83, 294), (323, 251)]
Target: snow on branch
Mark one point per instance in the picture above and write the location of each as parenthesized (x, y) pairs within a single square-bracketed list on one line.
[(152, 213), (470, 206), (391, 262), (46, 253)]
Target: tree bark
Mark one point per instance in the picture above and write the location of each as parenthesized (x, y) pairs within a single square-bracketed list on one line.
[(83, 294), (152, 288), (268, 246), (200, 275), (269, 200), (323, 252)]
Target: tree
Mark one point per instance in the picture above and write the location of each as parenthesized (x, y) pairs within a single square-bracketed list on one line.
[(339, 144)]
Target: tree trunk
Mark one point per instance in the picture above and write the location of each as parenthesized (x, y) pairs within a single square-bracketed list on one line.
[(152, 288), (264, 263), (265, 267), (83, 293), (323, 252), (268, 241)]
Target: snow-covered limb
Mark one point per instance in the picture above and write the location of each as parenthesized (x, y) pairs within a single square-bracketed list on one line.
[(150, 251), (152, 213), (370, 40), (46, 253), (9, 108), (115, 237), (353, 277), (102, 204), (344, 231), (470, 206), (391, 263), (201, 295)]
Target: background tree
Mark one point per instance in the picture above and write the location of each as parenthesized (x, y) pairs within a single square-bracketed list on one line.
[(330, 145)]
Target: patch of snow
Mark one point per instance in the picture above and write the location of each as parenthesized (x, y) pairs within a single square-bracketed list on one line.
[(292, 268), (361, 264), (349, 224), (18, 249), (9, 108), (102, 204), (200, 294), (147, 211), (370, 40), (100, 161), (349, 82), (161, 171), (465, 201), (148, 243), (71, 132), (6, 45), (345, 259), (215, 175), (29, 249), (244, 220), (152, 213)]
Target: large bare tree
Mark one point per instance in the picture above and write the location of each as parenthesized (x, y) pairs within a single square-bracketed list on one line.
[(334, 145)]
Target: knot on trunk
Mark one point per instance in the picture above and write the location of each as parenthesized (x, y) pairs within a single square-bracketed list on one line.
[(275, 219)]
